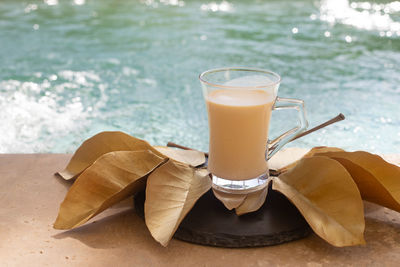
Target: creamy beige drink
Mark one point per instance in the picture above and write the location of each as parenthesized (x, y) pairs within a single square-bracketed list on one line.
[(238, 121), (239, 103)]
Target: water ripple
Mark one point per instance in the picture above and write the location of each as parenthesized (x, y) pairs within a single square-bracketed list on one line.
[(90, 66)]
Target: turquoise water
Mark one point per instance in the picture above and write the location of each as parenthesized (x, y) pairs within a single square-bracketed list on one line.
[(69, 69)]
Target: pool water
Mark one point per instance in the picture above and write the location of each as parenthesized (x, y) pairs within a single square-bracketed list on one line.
[(70, 69)]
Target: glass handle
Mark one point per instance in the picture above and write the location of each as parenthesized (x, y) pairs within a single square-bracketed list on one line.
[(288, 103)]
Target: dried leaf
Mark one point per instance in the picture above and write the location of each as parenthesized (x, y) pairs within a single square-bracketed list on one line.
[(322, 149), (327, 197), (98, 145), (242, 203), (113, 177), (286, 157), (391, 158), (377, 180), (191, 157), (291, 156), (171, 192), (230, 201), (253, 202)]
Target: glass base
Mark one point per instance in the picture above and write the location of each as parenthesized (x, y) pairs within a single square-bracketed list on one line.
[(239, 186)]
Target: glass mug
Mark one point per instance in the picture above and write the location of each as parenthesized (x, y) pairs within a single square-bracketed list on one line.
[(239, 105)]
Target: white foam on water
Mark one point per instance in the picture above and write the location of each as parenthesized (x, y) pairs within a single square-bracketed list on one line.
[(83, 78), (35, 116), (25, 118)]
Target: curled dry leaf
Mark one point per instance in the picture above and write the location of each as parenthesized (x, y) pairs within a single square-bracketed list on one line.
[(242, 203), (291, 156), (98, 145), (377, 180), (391, 158), (322, 149), (252, 202), (191, 157), (113, 177), (327, 197), (171, 192), (286, 157), (230, 201)]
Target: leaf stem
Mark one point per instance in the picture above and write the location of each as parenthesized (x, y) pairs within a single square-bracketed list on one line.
[(339, 117)]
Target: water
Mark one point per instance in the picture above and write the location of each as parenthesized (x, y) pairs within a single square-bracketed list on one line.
[(69, 69)]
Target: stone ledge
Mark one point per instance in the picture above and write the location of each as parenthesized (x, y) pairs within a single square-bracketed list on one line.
[(30, 196)]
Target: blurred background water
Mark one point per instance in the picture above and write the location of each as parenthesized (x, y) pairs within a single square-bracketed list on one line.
[(69, 69)]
